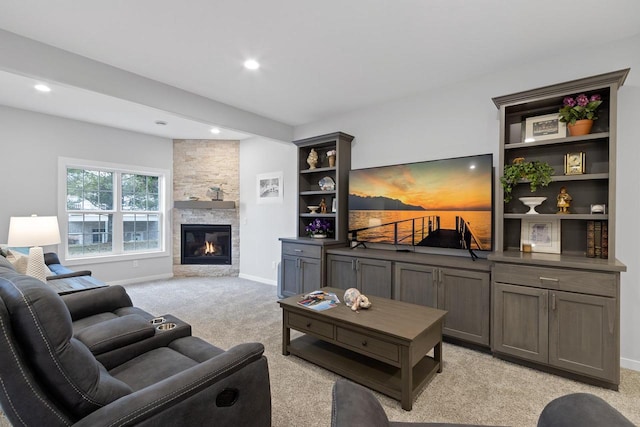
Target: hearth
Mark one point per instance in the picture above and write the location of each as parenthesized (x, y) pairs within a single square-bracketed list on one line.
[(205, 244)]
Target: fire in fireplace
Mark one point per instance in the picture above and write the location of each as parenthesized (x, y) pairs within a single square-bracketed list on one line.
[(205, 244)]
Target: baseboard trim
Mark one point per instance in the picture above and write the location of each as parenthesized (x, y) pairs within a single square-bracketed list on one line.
[(141, 279), (634, 365), (258, 279)]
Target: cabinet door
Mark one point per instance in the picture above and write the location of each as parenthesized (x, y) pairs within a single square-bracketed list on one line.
[(341, 271), (466, 297), (520, 322), (290, 276), (309, 274), (374, 277), (583, 334), (416, 284)]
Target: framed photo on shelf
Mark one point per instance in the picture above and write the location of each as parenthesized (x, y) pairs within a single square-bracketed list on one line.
[(269, 187), (574, 163), (544, 127), (334, 205), (542, 234)]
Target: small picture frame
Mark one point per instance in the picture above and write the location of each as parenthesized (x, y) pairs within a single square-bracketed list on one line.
[(334, 205), (544, 127), (542, 234), (574, 163), (269, 187)]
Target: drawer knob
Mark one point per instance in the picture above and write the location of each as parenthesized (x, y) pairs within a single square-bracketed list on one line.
[(364, 343), (308, 324)]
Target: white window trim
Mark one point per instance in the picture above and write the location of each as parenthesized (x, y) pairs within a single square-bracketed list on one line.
[(165, 188)]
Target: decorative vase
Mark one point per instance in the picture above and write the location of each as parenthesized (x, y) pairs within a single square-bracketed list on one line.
[(312, 159), (532, 202), (581, 127), (332, 161)]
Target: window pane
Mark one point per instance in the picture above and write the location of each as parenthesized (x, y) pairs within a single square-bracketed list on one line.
[(89, 190), (140, 192), (141, 232), (90, 234)]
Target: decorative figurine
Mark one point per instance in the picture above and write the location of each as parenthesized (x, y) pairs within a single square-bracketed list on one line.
[(564, 201), (323, 206), (355, 300), (312, 159)]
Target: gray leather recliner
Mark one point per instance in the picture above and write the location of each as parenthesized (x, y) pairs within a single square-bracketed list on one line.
[(49, 377)]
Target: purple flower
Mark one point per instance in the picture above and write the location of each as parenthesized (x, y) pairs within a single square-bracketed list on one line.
[(569, 101), (318, 226), (595, 97), (582, 100)]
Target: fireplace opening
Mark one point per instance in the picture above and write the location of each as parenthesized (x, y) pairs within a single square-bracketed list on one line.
[(205, 244)]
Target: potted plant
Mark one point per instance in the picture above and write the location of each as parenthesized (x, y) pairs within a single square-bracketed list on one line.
[(319, 228), (579, 113), (536, 172)]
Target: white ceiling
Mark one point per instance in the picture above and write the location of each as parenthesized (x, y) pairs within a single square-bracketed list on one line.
[(319, 58)]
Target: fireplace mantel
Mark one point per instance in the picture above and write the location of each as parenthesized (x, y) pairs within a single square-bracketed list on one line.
[(204, 204)]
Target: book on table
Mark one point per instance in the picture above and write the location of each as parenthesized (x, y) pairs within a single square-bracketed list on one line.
[(319, 300)]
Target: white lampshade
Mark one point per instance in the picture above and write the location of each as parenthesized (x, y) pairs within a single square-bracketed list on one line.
[(27, 231), (35, 232)]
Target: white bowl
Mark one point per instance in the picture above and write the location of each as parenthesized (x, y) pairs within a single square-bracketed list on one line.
[(532, 202)]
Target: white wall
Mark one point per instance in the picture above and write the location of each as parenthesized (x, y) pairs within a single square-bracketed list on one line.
[(30, 146), (462, 120), (262, 224)]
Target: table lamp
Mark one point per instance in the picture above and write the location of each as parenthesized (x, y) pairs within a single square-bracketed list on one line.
[(34, 232)]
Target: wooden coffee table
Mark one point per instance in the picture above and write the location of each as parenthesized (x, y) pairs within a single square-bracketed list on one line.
[(384, 348)]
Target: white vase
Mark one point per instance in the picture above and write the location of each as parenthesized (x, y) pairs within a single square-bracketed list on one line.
[(319, 236), (532, 202)]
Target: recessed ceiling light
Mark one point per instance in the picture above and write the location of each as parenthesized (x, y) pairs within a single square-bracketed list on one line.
[(215, 130), (161, 123), (42, 88), (251, 64)]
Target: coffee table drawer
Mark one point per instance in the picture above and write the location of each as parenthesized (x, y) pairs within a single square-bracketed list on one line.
[(313, 326), (366, 344)]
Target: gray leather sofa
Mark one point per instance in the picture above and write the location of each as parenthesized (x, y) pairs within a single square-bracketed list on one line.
[(356, 406), (50, 377)]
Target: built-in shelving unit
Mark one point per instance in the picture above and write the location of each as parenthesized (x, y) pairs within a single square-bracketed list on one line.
[(555, 307)]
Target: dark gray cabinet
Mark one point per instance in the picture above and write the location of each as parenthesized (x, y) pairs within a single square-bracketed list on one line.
[(465, 294), (369, 276), (560, 318), (456, 284), (560, 309), (302, 265)]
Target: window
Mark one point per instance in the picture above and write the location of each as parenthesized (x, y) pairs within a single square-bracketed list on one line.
[(112, 210)]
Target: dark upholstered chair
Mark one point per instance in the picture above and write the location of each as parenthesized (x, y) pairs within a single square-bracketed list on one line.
[(49, 377), (356, 406)]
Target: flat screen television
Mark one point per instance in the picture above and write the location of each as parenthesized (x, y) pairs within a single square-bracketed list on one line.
[(438, 203)]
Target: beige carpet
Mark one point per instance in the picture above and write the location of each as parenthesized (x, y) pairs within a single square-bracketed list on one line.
[(473, 387)]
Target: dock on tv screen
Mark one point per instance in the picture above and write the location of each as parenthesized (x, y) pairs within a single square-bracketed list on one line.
[(439, 203)]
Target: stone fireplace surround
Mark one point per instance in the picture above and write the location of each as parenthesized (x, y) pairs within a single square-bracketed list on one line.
[(197, 165)]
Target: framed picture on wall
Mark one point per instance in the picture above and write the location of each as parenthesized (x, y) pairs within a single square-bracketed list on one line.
[(542, 234), (269, 187)]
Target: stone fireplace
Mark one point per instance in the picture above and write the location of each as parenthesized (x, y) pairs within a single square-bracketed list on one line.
[(198, 165)]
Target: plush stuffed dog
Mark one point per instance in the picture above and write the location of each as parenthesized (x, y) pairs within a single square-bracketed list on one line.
[(355, 300)]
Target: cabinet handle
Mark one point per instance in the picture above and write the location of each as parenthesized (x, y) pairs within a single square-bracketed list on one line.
[(308, 324), (549, 279), (553, 302), (364, 343), (297, 250), (357, 264)]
